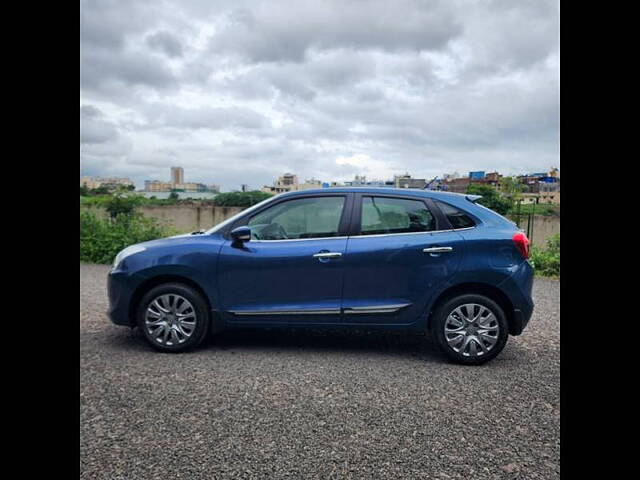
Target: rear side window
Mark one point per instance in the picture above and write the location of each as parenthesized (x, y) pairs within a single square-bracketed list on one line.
[(457, 218), (382, 215)]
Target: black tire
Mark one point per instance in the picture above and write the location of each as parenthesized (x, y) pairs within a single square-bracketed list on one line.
[(200, 309), (443, 311)]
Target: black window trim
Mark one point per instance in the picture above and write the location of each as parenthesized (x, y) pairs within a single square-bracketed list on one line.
[(446, 220)]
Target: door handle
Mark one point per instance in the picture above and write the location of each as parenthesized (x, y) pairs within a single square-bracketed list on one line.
[(327, 255), (437, 249)]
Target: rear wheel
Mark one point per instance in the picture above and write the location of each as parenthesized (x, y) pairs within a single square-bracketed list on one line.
[(173, 317), (470, 329)]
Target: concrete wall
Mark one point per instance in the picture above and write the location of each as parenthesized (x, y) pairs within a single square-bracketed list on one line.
[(184, 218), (543, 228), (187, 218)]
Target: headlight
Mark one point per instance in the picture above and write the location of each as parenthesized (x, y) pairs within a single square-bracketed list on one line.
[(126, 252)]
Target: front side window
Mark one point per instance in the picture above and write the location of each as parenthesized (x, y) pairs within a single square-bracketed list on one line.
[(314, 217), (382, 215), (457, 218)]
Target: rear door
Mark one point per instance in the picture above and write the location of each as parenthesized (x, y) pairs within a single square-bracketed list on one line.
[(399, 253)]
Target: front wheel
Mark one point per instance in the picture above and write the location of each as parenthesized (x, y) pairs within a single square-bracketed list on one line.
[(173, 317), (470, 329)]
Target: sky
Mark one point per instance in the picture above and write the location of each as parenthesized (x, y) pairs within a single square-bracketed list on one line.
[(240, 92)]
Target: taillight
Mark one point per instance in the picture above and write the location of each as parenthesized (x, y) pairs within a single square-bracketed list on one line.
[(522, 244)]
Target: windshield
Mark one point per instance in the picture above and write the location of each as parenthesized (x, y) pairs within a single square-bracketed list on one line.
[(229, 220)]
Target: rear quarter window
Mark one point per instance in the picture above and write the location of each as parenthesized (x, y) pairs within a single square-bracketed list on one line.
[(457, 217)]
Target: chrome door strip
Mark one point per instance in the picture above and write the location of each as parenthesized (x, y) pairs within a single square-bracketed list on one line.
[(327, 311), (411, 233), (299, 239), (376, 308)]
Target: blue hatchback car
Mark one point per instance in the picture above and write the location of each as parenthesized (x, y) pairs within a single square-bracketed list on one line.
[(418, 260)]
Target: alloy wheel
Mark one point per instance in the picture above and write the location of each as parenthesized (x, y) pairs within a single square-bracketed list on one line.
[(472, 330), (170, 319)]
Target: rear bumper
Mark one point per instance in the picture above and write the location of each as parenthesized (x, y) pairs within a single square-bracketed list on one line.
[(519, 321), (519, 287)]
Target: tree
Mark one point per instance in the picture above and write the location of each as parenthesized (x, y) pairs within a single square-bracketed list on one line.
[(490, 198), (173, 196), (122, 205), (84, 191), (512, 188)]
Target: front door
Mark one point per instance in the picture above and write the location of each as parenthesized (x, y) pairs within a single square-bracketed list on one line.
[(291, 271), (398, 257)]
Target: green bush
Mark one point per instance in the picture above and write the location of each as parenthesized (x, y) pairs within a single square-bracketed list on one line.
[(545, 209), (122, 204), (546, 262), (240, 199), (491, 198), (101, 239)]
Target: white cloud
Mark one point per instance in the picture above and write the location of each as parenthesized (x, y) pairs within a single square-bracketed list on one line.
[(240, 91)]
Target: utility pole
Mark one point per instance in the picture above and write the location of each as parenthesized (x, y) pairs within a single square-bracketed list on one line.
[(533, 218)]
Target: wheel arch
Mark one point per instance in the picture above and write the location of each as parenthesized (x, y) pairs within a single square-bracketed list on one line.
[(152, 282), (490, 291)]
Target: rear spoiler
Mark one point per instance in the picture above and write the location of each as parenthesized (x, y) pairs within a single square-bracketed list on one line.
[(474, 198)]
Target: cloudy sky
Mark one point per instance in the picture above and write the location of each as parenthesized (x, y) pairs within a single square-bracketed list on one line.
[(241, 92)]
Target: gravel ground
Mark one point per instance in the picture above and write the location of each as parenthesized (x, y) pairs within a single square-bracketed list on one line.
[(254, 404)]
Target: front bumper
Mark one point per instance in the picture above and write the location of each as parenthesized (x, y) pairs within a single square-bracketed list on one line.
[(120, 288)]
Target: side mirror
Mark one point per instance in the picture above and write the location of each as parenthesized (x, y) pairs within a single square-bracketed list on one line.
[(241, 234)]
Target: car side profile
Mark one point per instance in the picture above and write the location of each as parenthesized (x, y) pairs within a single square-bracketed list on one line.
[(417, 260)]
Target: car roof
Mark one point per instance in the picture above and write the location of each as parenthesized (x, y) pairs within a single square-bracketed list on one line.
[(438, 195)]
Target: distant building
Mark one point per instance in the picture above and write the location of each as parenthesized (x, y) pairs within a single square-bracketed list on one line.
[(361, 181), (450, 176), (177, 183), (405, 181), (109, 182), (530, 183), (289, 183), (157, 186), (89, 182), (541, 197), (456, 185), (190, 187), (481, 178), (493, 177), (177, 175), (540, 182), (550, 197)]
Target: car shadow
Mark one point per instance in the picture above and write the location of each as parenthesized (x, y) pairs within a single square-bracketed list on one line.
[(327, 341), (301, 341), (283, 340)]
